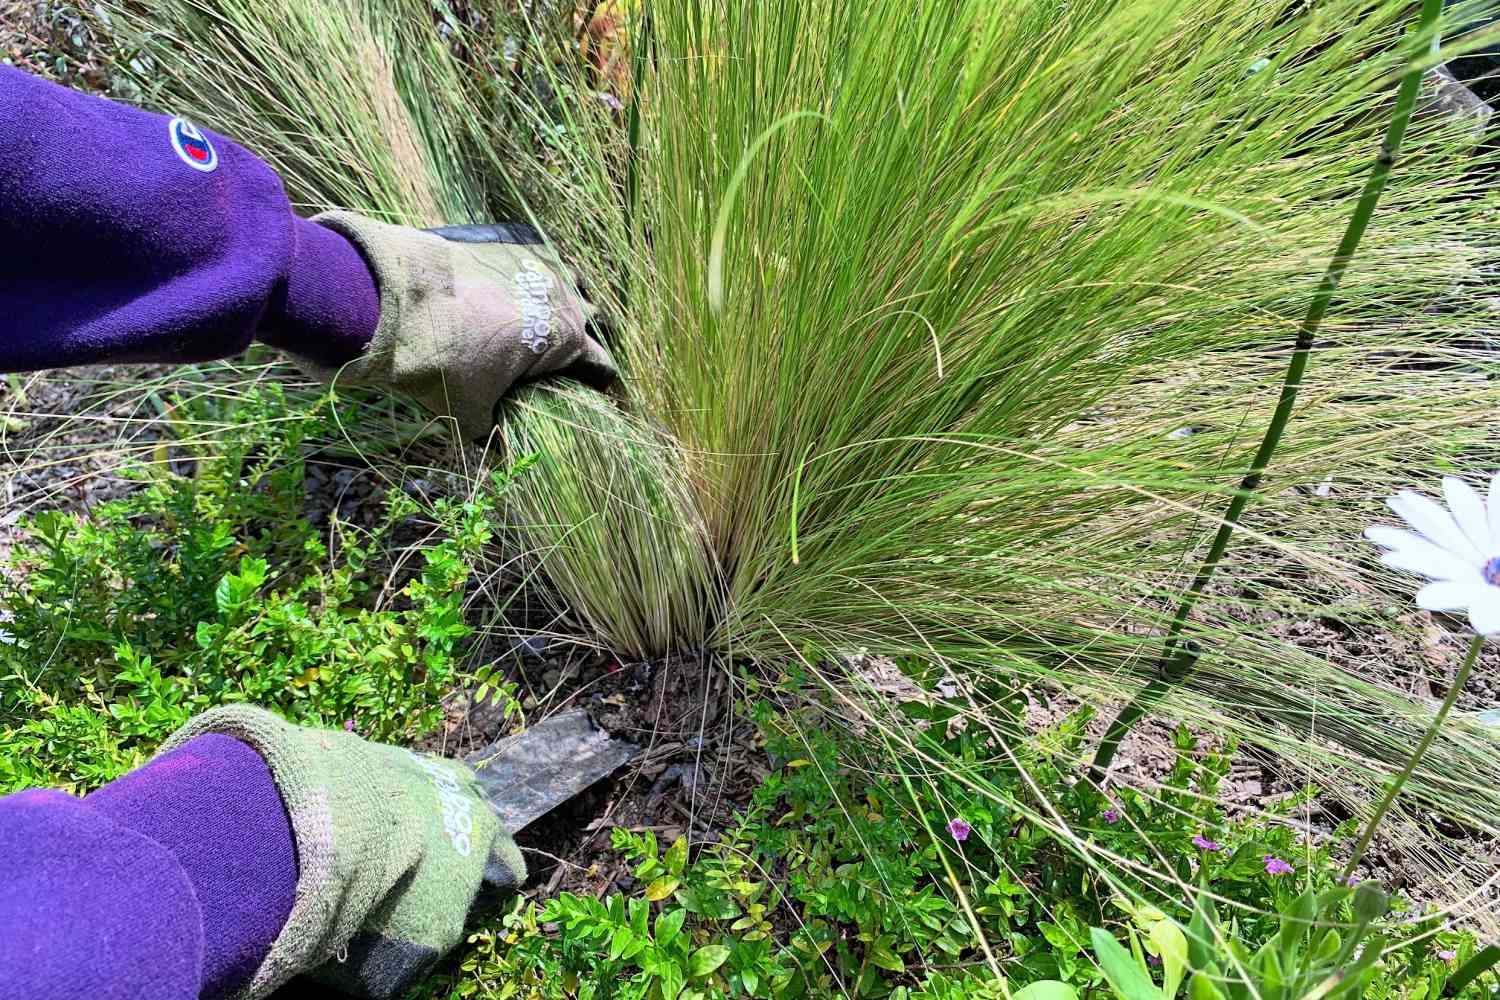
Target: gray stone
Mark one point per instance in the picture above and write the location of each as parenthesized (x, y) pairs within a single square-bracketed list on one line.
[(1442, 93)]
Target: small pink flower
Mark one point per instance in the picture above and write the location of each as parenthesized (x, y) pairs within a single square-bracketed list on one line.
[(1204, 844), (348, 725), (1447, 954), (959, 828), (1276, 866), (1111, 815)]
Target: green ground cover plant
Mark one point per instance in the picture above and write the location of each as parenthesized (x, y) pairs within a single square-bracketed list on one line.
[(208, 585), (836, 881)]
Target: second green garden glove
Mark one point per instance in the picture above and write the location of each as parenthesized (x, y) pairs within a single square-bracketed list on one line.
[(392, 850), (467, 313)]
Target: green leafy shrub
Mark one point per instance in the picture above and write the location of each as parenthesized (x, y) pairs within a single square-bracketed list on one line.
[(840, 880), (1325, 943), (210, 586)]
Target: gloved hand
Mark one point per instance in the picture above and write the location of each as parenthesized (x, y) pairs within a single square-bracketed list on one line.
[(466, 313), (392, 850)]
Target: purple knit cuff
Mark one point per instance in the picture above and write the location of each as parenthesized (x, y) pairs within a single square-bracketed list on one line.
[(327, 308), (213, 804), (90, 908)]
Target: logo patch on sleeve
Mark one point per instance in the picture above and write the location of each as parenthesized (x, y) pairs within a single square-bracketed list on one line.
[(192, 146)]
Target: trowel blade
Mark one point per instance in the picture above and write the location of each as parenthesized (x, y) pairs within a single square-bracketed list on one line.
[(526, 776)]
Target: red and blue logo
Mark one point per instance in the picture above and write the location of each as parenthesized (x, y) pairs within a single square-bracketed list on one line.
[(192, 146)]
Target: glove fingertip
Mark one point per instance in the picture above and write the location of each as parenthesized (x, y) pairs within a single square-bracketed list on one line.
[(594, 369), (505, 871)]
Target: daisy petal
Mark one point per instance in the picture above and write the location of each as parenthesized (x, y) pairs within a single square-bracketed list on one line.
[(1434, 563), (1494, 508), (1446, 595), (1416, 554), (1484, 615), (1468, 511), (1434, 523), (1395, 538)]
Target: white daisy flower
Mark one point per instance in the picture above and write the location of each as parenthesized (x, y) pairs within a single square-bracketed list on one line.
[(1458, 551)]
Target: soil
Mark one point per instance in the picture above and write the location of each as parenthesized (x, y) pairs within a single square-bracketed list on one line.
[(1410, 651), (1414, 652), (1417, 653), (64, 437), (698, 761)]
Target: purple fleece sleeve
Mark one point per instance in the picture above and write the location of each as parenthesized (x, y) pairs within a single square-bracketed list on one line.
[(131, 236), (170, 882), (89, 909)]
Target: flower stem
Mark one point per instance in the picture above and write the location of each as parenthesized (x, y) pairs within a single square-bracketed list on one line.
[(1178, 658), (1416, 756)]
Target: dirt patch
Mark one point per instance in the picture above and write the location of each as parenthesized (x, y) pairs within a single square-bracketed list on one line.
[(1379, 638), (698, 764), (64, 440), (1403, 649), (1414, 652)]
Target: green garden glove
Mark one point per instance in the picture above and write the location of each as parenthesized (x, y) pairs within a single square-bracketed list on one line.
[(392, 850), (466, 313)]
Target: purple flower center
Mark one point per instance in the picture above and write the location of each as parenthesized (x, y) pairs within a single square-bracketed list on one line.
[(1492, 572)]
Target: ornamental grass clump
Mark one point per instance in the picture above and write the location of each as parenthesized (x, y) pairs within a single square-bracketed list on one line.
[(960, 315), (942, 325)]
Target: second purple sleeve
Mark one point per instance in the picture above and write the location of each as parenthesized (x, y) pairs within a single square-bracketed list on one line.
[(170, 882)]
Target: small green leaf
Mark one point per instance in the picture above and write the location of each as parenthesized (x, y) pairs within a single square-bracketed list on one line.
[(207, 634), (676, 858), (1045, 989), (671, 980), (668, 925), (1370, 902), (1296, 922), (1057, 937), (224, 598), (1168, 943), (706, 959), (662, 888), (1125, 975), (1200, 934), (710, 904), (882, 957), (1202, 987), (1272, 972), (619, 941), (1328, 945)]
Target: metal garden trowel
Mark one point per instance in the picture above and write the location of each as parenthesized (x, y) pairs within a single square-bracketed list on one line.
[(526, 776)]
